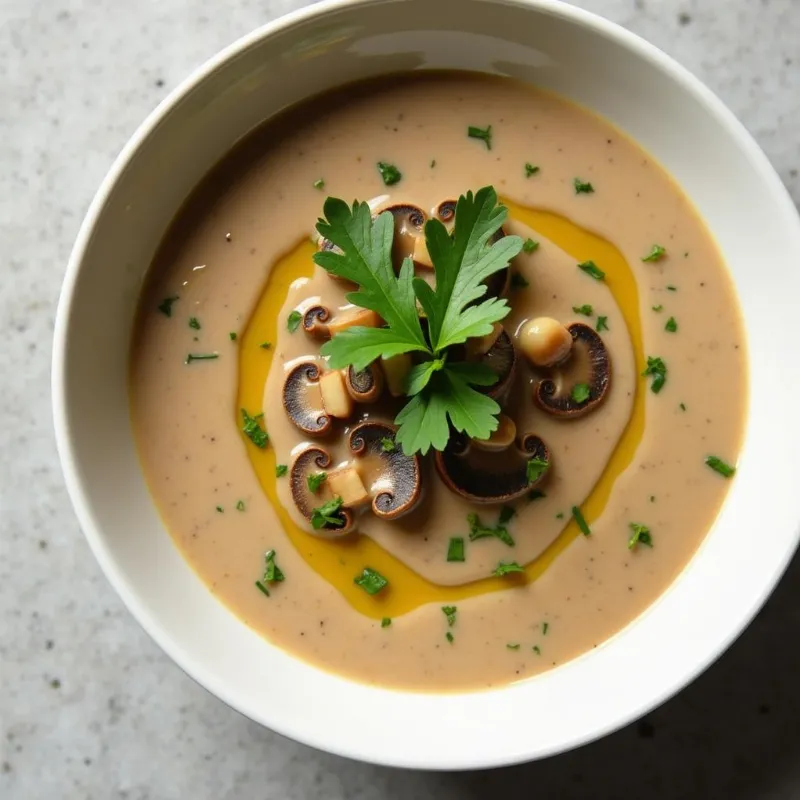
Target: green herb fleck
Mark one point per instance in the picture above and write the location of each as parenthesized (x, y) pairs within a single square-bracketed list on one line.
[(560, 515), (682, 406), (272, 572), (602, 324), (581, 522), (201, 357), (484, 134), (530, 169), (513, 646), (656, 253), (545, 628), (640, 534), (536, 650), (293, 321), (316, 480), (506, 515), (253, 431), (233, 336), (165, 307), (449, 637), (581, 393), (455, 549), (585, 309), (240, 506), (672, 288), (450, 613), (371, 581), (263, 589), (507, 568), (592, 270), (535, 468), (518, 282), (433, 163), (658, 369), (529, 245), (389, 172), (583, 188), (386, 622), (220, 509), (535, 494), (718, 465), (477, 530), (265, 345), (658, 308), (327, 514), (194, 323), (388, 445), (319, 183), (281, 470), (671, 325)]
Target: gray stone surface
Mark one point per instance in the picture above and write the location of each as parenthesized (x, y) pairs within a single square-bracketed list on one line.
[(89, 707)]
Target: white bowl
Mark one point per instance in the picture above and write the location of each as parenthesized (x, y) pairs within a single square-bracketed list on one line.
[(556, 46)]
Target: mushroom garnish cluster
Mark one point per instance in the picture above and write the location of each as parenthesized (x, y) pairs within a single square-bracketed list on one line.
[(424, 351)]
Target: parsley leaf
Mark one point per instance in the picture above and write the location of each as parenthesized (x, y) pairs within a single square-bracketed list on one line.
[(484, 134), (658, 370), (388, 445), (518, 281), (165, 306), (656, 253), (316, 480), (389, 172), (506, 569), (529, 245), (602, 324), (581, 392), (672, 325), (718, 465), (450, 613), (592, 270), (371, 581), (530, 169), (253, 431), (535, 468), (327, 515), (640, 534), (582, 188), (293, 321), (455, 549), (272, 572), (585, 309), (477, 530), (281, 470), (319, 184), (386, 622), (194, 323), (581, 522)]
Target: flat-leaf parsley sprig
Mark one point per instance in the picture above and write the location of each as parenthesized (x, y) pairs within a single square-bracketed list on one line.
[(440, 387)]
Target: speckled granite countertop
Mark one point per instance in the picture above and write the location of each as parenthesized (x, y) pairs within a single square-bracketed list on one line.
[(89, 707)]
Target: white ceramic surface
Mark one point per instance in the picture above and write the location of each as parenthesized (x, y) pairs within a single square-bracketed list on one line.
[(562, 48)]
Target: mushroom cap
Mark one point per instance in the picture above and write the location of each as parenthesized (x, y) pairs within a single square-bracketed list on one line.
[(311, 420), (559, 401), (544, 341), (315, 322), (308, 461), (485, 476), (364, 386), (400, 480)]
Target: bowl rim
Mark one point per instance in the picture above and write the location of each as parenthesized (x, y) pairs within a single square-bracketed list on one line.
[(79, 496)]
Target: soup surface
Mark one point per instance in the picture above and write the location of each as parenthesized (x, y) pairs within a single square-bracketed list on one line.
[(632, 486)]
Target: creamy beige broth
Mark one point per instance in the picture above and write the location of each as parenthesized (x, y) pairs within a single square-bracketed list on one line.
[(261, 202)]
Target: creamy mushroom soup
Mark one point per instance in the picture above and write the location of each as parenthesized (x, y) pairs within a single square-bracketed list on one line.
[(438, 381)]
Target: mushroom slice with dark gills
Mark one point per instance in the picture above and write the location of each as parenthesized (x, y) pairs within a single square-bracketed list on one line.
[(333, 517), (302, 399), (365, 386), (578, 380), (318, 321), (485, 474), (394, 479), (501, 358), (315, 322)]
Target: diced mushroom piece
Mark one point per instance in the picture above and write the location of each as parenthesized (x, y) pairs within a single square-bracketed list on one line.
[(364, 386), (481, 345), (311, 461), (396, 370), (577, 386), (397, 485), (492, 476), (362, 317), (409, 227), (500, 439), (501, 358), (335, 398), (544, 341), (315, 322), (302, 399), (421, 256), (347, 484)]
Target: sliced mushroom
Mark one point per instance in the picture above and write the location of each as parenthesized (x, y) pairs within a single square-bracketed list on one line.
[(588, 366), (336, 399), (300, 390), (308, 462), (492, 476), (501, 358), (315, 322), (397, 487), (364, 386), (409, 227)]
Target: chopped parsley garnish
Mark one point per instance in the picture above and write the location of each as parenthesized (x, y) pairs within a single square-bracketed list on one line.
[(388, 445), (640, 534), (580, 521), (293, 321), (545, 628), (672, 288), (507, 568), (592, 270), (327, 515), (455, 549), (530, 169), (389, 172), (220, 509), (253, 431), (450, 613), (671, 325), (529, 245), (165, 306), (535, 494), (201, 357), (682, 406), (449, 637), (581, 393), (536, 650), (518, 282), (658, 308), (433, 163), (535, 468), (718, 465), (194, 323), (583, 188), (272, 572), (513, 646), (261, 588), (506, 515), (585, 309), (656, 253), (265, 345), (477, 530), (316, 480), (560, 515), (240, 506), (233, 335), (281, 470), (484, 134), (386, 622), (371, 581), (658, 369), (602, 324), (319, 184)]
